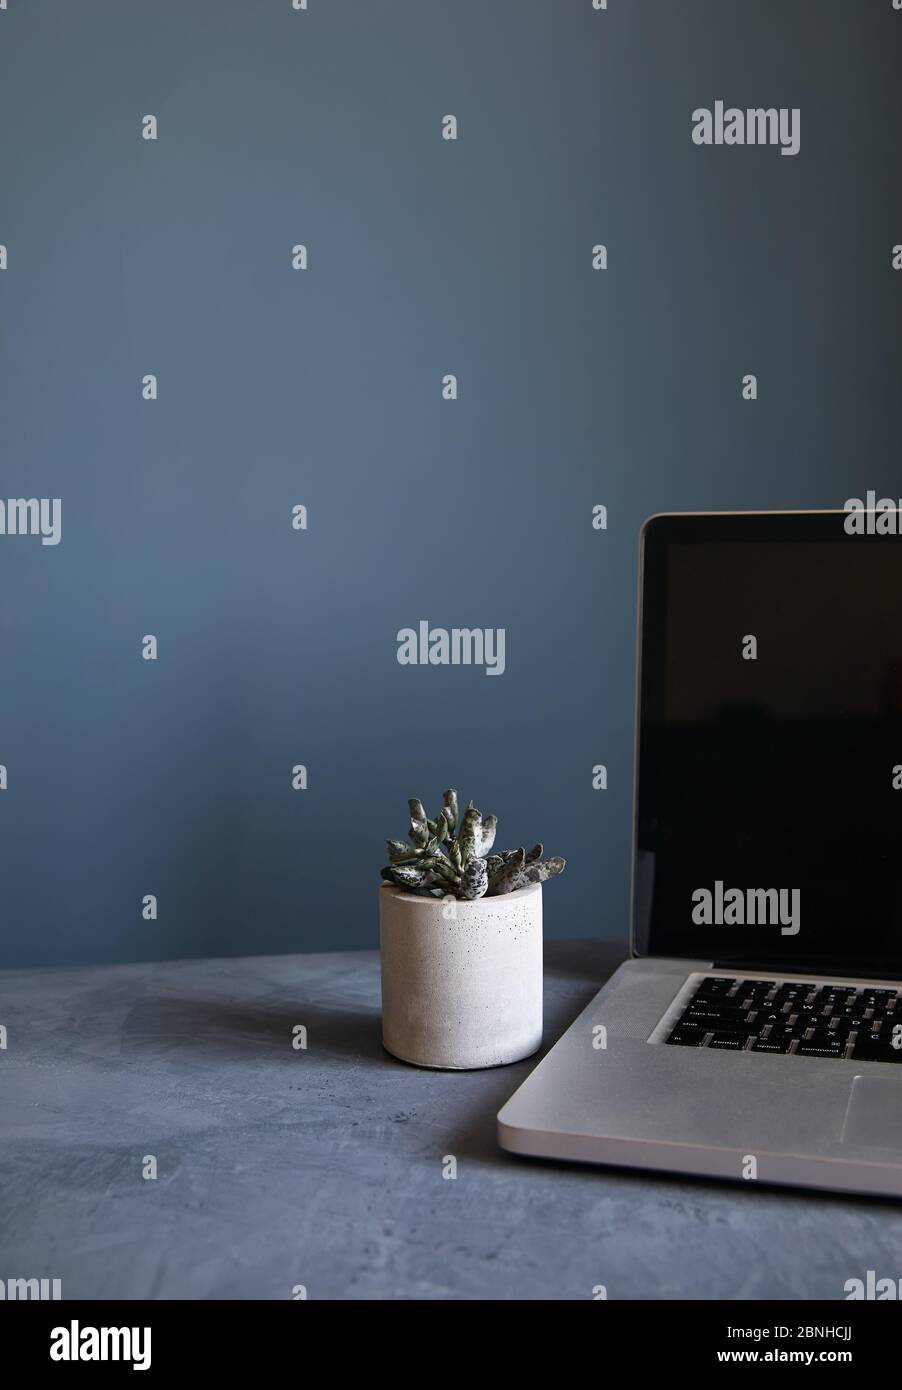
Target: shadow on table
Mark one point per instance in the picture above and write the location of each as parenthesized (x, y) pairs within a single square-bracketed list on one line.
[(592, 961), (229, 1030)]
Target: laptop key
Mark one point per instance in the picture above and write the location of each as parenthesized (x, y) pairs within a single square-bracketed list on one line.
[(714, 987), (813, 1049), (711, 1010)]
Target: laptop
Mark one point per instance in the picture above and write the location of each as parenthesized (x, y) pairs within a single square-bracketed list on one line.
[(755, 1033)]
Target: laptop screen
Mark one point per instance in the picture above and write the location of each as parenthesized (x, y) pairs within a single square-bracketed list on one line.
[(769, 814)]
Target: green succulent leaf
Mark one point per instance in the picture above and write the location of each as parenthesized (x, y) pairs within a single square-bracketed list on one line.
[(487, 838), (419, 833), (503, 879), (405, 875), (545, 868), (450, 801), (444, 869), (400, 852), (470, 836), (474, 880)]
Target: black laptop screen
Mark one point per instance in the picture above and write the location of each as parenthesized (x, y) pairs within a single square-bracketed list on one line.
[(769, 825)]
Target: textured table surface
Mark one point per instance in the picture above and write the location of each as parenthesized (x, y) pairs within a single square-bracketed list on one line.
[(324, 1167)]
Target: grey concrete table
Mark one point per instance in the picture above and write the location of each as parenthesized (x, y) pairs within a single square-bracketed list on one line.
[(279, 1167)]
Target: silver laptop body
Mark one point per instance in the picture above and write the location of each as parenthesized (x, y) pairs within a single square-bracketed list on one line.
[(817, 1106)]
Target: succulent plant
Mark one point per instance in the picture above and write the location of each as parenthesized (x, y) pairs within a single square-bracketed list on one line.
[(453, 855)]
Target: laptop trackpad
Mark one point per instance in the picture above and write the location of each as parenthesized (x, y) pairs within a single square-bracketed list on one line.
[(874, 1113)]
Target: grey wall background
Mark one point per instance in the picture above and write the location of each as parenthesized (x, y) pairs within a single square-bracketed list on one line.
[(276, 388)]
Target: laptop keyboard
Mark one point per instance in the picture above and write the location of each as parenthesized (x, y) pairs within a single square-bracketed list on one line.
[(803, 1020)]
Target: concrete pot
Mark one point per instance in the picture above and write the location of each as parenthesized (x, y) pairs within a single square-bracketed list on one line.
[(463, 991)]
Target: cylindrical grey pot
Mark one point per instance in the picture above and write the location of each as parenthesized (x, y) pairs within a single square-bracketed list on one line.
[(461, 981)]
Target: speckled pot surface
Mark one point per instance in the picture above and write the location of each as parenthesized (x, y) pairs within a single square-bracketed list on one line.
[(461, 991)]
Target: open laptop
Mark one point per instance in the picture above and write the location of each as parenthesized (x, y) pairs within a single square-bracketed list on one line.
[(756, 1031)]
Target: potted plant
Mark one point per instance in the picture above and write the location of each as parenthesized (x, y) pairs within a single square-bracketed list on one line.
[(461, 939)]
